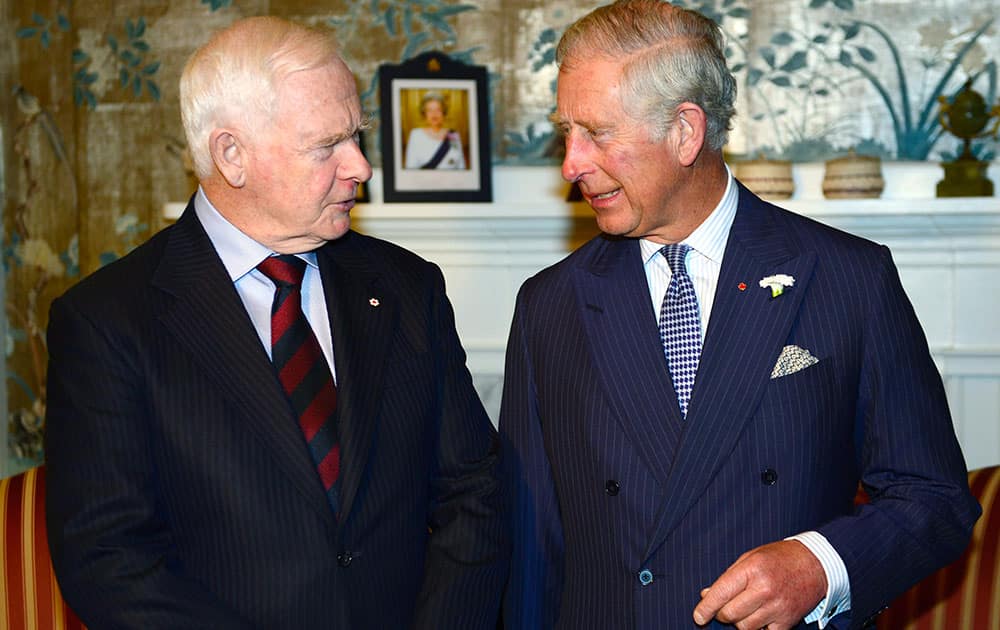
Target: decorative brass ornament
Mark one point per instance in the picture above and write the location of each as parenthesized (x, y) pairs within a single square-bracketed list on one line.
[(966, 117)]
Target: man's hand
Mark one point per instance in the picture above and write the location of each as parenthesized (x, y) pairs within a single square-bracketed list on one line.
[(773, 587)]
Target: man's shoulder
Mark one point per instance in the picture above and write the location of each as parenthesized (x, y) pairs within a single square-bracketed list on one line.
[(355, 251), (127, 274), (592, 253), (391, 253), (811, 234), (595, 256)]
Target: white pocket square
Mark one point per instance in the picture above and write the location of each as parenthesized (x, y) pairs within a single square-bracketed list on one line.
[(792, 359)]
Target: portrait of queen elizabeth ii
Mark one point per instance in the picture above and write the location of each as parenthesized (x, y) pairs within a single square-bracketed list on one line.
[(436, 144)]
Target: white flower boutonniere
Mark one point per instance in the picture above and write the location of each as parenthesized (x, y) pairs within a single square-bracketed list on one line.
[(777, 283)]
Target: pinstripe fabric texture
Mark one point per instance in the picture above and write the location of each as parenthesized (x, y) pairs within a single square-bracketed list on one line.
[(609, 483), (181, 491), (29, 596)]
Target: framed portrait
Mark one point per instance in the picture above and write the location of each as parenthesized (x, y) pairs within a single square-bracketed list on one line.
[(434, 130)]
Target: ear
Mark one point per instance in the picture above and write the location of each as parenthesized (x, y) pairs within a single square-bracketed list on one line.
[(229, 156), (692, 125)]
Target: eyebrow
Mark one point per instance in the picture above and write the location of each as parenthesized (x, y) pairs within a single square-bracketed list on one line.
[(562, 125), (329, 141), (364, 124)]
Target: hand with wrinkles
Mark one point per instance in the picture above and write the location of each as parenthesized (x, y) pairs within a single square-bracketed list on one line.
[(773, 586)]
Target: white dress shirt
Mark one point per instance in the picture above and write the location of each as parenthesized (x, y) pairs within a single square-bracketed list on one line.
[(704, 262)]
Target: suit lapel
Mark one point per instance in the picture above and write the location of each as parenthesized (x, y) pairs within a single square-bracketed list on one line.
[(746, 333), (209, 320), (624, 339), (363, 313)]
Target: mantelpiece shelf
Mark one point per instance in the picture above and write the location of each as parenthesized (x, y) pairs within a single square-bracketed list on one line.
[(947, 251)]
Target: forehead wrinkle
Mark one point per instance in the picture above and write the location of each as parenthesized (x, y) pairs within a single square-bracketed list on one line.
[(586, 85), (582, 118), (358, 122), (622, 119)]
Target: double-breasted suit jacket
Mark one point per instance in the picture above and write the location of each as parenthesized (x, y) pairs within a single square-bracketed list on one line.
[(181, 491), (624, 511)]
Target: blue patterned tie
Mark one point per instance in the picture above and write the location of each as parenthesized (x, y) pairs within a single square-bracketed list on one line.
[(680, 325)]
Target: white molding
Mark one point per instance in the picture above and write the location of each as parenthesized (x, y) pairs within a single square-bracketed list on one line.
[(947, 252)]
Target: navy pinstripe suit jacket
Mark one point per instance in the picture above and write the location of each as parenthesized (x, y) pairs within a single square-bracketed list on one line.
[(180, 490), (609, 481)]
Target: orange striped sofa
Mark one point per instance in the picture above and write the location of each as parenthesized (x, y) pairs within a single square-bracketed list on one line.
[(964, 595), (29, 595)]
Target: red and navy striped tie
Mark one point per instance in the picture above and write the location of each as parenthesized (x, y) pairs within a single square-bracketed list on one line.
[(302, 368)]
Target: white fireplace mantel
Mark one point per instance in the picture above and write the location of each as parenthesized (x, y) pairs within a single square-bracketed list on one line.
[(947, 252)]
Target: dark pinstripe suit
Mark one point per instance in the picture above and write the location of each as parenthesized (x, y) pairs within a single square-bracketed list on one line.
[(181, 493), (609, 481)]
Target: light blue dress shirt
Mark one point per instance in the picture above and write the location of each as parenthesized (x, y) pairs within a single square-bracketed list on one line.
[(240, 255)]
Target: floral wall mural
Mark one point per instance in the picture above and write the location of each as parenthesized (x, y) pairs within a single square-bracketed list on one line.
[(93, 147), (837, 74)]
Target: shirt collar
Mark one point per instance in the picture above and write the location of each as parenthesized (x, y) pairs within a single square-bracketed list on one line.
[(240, 254), (708, 239)]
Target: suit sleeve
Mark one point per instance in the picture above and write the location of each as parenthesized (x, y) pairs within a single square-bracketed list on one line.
[(469, 548), (110, 546), (533, 592), (921, 512)]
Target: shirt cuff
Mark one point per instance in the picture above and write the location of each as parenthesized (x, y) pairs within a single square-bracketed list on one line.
[(838, 586)]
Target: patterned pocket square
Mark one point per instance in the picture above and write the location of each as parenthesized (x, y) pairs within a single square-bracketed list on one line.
[(792, 359)]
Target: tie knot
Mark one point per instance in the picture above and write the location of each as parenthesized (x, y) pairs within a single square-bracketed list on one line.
[(284, 269), (675, 253)]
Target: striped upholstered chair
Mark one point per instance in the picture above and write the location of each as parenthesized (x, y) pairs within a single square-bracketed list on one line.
[(964, 595), (29, 595)]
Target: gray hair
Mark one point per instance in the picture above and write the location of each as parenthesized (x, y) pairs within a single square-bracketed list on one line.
[(233, 78), (433, 96), (670, 55)]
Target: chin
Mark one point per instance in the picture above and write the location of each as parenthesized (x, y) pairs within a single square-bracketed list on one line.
[(334, 225), (616, 225), (334, 234)]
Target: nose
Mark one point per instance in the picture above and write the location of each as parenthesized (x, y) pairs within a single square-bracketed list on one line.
[(354, 165), (576, 163)]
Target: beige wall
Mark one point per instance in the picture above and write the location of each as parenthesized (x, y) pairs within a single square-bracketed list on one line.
[(84, 184)]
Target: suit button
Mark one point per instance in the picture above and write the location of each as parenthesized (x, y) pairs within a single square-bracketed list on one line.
[(645, 577), (612, 487), (344, 559), (769, 477)]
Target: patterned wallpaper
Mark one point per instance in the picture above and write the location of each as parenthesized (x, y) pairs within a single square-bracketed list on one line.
[(93, 147)]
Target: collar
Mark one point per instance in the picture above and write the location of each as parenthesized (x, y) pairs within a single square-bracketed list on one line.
[(709, 238), (240, 254)]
